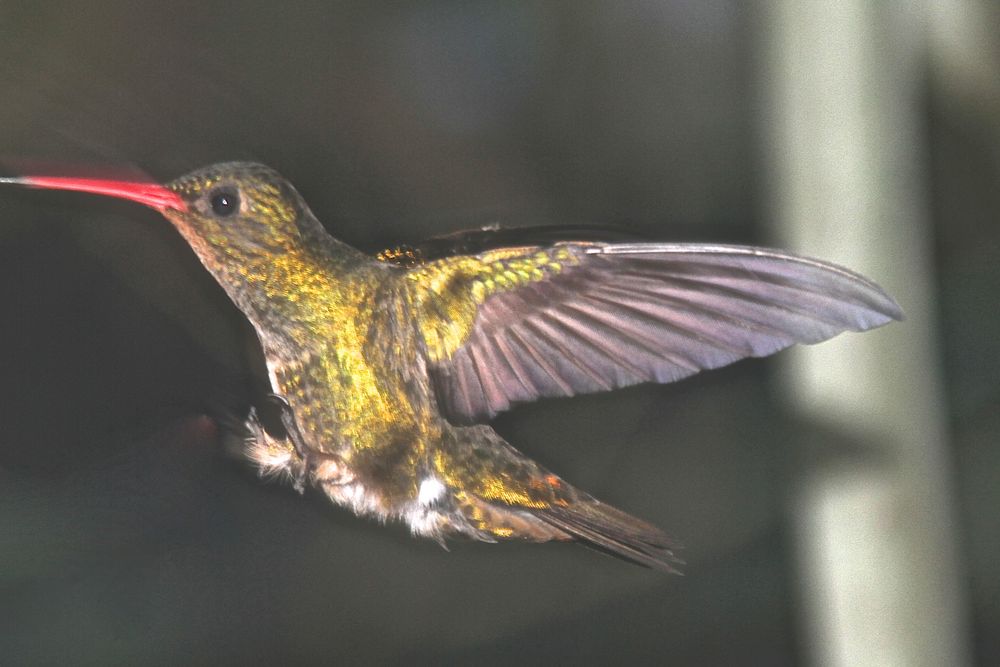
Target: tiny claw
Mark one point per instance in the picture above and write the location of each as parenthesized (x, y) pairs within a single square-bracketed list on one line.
[(290, 424), (280, 400)]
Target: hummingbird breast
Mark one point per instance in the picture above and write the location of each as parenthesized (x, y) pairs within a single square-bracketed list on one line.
[(345, 356)]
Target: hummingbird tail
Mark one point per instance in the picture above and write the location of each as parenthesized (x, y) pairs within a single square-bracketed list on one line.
[(604, 528)]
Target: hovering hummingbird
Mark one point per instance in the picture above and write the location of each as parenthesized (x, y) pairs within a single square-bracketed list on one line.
[(387, 368)]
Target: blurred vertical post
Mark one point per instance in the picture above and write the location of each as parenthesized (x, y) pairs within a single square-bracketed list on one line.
[(844, 80)]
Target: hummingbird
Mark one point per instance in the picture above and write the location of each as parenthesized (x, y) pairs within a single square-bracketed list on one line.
[(388, 368)]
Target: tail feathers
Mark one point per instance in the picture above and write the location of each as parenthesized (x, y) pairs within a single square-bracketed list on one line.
[(612, 531)]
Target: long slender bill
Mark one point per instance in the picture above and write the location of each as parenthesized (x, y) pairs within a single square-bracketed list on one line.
[(148, 194)]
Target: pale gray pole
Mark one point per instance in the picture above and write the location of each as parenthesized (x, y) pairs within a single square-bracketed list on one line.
[(843, 85)]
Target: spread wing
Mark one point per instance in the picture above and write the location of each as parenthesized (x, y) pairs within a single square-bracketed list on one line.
[(516, 324)]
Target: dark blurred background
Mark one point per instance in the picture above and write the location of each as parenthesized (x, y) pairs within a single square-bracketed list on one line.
[(837, 506)]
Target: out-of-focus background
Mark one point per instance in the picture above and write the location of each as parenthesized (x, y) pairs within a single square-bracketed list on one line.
[(838, 505)]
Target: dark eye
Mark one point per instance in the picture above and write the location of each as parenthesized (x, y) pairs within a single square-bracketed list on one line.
[(225, 202)]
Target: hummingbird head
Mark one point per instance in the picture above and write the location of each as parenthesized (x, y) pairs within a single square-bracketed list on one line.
[(240, 211), (233, 214), (247, 225)]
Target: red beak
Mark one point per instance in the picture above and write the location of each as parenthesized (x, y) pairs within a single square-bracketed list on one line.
[(149, 194)]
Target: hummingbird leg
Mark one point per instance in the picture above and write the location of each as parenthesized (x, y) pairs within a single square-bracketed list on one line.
[(290, 424), (321, 467), (273, 456)]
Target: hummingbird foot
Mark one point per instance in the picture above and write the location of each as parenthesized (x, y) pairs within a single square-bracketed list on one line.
[(317, 467), (274, 457), (281, 457), (289, 423)]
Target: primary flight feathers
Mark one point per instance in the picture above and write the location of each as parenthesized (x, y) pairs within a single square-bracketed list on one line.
[(592, 317)]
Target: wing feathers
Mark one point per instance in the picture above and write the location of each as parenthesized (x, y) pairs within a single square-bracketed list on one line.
[(568, 355), (544, 370), (525, 387), (574, 325), (744, 299), (658, 316), (617, 315), (488, 374)]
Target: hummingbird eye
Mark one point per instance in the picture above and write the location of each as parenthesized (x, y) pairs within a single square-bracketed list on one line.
[(224, 202)]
